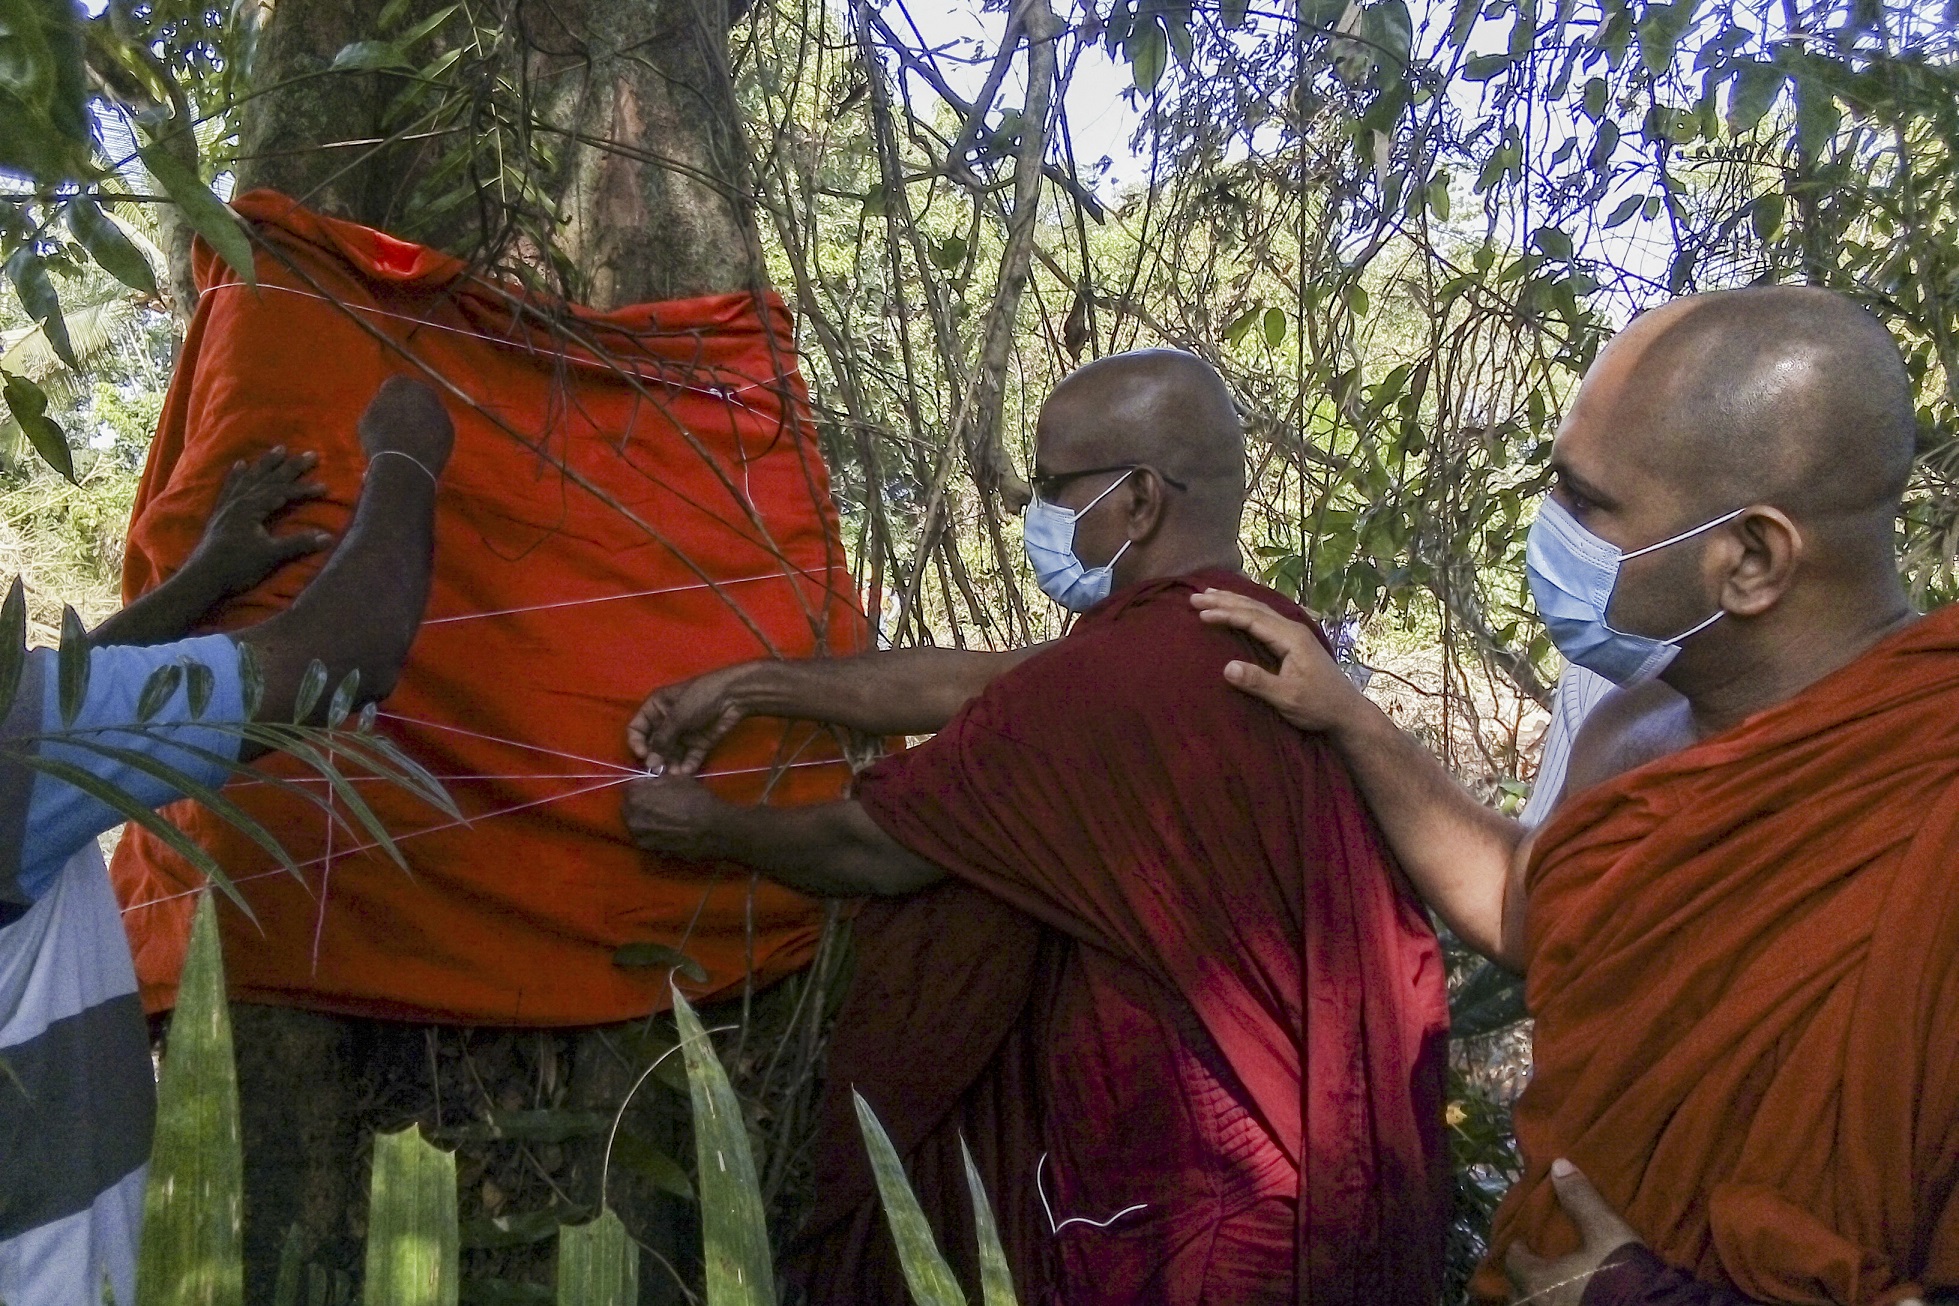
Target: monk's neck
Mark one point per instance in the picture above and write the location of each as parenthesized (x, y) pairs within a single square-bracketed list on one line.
[(1171, 562), (1790, 667)]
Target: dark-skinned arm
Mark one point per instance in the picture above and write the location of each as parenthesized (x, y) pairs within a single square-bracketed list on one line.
[(237, 551), (912, 691), (361, 612), (830, 850)]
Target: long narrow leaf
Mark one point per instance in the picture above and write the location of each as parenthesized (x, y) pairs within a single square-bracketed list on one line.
[(996, 1277), (13, 644), (192, 1250), (412, 1237), (72, 666), (344, 791), (191, 787), (734, 1228), (110, 796), (598, 1265), (926, 1273), (112, 249), (205, 212)]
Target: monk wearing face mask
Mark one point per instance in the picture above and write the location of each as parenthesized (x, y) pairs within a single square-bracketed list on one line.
[(1135, 938), (1739, 928)]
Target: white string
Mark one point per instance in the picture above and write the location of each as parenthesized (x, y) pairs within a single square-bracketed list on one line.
[(370, 846), (612, 598), (1041, 1188), (396, 453), (514, 743)]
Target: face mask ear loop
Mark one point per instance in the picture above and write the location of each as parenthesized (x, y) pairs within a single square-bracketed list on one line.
[(1684, 535), (1083, 510)]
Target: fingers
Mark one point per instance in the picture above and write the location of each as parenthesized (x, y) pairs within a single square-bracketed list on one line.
[(1236, 612), (1524, 1266), (1256, 681), (703, 741), (1597, 1222), (298, 544)]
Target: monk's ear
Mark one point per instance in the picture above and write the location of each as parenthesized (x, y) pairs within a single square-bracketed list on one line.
[(1763, 548), (1147, 497)]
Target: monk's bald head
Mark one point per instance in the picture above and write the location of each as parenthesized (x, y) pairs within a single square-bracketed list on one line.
[(1158, 407), (1789, 396)]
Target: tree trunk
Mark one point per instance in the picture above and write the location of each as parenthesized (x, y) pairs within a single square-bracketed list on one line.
[(622, 117), (630, 103)]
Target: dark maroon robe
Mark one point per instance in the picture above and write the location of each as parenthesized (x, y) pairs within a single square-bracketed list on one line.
[(1152, 874)]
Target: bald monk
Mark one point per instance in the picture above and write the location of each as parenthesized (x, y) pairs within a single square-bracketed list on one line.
[(1740, 927), (1108, 894)]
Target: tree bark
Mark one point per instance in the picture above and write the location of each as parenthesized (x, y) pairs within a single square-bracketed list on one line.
[(632, 100)]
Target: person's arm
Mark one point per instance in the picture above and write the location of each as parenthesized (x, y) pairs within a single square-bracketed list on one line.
[(363, 609), (830, 850), (912, 691), (234, 555), (1463, 858)]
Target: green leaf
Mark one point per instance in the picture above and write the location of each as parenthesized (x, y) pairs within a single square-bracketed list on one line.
[(598, 1265), (949, 253), (1765, 214), (1241, 326), (311, 685), (1273, 326), (251, 678), (652, 1164), (1438, 198), (1148, 53), (158, 690), (72, 667), (1817, 116), (104, 240), (996, 1278), (1755, 89), (192, 1252), (412, 1238), (29, 405), (1595, 93), (29, 273), (366, 56), (343, 699), (199, 685), (426, 28), (206, 213), (1486, 67), (1489, 1001), (1624, 211), (645, 956), (1553, 242), (930, 1279), (1604, 146), (13, 644), (734, 1227), (541, 1126), (1660, 29)]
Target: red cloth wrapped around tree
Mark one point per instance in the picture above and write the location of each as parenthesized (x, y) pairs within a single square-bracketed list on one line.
[(636, 497), (1175, 959)]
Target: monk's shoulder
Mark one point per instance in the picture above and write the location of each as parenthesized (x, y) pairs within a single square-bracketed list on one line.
[(1629, 728)]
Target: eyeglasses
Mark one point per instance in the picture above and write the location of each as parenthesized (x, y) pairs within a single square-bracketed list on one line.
[(1050, 485)]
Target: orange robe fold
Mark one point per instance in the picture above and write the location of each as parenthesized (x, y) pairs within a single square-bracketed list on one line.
[(1744, 966)]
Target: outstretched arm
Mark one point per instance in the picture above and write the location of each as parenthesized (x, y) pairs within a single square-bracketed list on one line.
[(912, 691), (830, 850), (235, 554), (361, 612), (1464, 859)]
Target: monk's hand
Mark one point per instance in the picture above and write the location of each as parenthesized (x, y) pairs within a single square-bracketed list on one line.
[(675, 815), (1561, 1281), (1309, 689), (678, 726), (238, 549), (407, 418)]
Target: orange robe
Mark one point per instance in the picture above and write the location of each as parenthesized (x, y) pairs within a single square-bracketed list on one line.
[(1744, 965)]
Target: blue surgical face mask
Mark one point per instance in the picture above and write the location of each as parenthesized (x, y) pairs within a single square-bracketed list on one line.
[(1048, 534), (1572, 576)]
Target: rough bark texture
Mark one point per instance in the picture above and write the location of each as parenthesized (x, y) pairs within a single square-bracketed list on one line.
[(634, 144), (632, 99)]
